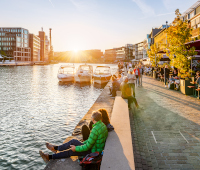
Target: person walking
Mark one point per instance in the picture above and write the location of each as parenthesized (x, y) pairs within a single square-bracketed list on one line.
[(131, 80), (140, 76), (137, 74)]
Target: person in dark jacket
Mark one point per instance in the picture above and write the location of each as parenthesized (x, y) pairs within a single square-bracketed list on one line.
[(166, 75), (95, 142)]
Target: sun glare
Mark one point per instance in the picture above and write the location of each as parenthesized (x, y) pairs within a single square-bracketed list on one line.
[(75, 50)]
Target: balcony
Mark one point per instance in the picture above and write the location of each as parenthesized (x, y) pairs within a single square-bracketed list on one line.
[(196, 32)]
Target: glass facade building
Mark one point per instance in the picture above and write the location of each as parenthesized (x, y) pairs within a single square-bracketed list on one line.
[(15, 43)]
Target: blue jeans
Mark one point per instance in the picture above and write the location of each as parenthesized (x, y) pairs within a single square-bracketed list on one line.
[(67, 154)]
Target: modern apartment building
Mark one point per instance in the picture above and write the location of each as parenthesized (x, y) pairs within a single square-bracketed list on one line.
[(14, 41), (192, 15), (120, 53), (129, 51), (139, 50), (34, 44)]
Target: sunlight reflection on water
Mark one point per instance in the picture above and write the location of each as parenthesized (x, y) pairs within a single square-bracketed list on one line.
[(35, 108)]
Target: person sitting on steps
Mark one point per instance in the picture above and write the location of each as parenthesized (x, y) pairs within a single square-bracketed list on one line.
[(127, 93), (85, 130), (95, 142)]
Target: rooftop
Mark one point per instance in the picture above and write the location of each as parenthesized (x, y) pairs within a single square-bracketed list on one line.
[(191, 8)]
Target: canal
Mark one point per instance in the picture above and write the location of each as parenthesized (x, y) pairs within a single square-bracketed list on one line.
[(35, 108)]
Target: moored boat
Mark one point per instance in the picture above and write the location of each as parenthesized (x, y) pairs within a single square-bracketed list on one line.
[(102, 74), (66, 73), (84, 74)]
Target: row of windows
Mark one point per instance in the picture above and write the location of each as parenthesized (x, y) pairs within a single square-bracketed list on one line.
[(14, 30), (14, 35), (7, 44), (22, 45), (6, 48), (23, 50), (21, 54), (7, 39)]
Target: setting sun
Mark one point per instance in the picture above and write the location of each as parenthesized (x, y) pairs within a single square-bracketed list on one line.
[(75, 50)]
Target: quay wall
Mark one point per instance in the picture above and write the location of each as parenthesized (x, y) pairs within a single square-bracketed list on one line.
[(103, 101)]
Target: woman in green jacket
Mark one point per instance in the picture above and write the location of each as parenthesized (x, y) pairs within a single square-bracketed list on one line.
[(95, 142)]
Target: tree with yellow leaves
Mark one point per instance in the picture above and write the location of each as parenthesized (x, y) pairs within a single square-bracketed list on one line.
[(178, 34), (153, 54)]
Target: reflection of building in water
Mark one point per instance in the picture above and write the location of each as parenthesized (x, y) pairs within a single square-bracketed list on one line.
[(14, 41)]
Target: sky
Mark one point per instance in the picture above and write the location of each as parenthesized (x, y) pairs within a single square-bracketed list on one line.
[(91, 24)]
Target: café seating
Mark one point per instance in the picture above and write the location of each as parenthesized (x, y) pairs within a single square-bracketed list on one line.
[(192, 87)]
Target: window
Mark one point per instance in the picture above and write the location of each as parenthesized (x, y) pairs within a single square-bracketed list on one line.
[(18, 44), (18, 39), (191, 14)]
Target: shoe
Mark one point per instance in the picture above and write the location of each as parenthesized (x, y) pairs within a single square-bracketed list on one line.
[(44, 156), (51, 147), (165, 85)]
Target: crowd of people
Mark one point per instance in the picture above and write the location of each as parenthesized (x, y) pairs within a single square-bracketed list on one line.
[(129, 76), (169, 75)]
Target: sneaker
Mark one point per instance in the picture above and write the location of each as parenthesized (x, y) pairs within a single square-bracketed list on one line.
[(51, 147), (44, 156)]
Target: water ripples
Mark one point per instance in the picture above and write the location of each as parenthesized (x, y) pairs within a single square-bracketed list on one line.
[(35, 108)]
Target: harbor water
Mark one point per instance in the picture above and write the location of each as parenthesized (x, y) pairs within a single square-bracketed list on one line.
[(35, 109)]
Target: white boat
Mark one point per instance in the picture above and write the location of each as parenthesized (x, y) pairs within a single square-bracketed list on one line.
[(102, 74), (66, 73), (84, 74)]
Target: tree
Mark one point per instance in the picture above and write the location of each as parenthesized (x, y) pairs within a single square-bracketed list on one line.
[(154, 55), (180, 54), (3, 53)]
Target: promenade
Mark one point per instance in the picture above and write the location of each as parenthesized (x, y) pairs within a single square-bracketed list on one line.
[(166, 128)]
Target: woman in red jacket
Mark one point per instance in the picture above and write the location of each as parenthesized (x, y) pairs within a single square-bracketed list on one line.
[(137, 74)]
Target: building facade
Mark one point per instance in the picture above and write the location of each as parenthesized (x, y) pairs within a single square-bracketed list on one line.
[(129, 51), (120, 53), (14, 41), (34, 44), (192, 15), (42, 45), (110, 55), (47, 48), (160, 39)]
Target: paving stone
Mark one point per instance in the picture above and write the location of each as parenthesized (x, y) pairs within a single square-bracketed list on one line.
[(172, 118)]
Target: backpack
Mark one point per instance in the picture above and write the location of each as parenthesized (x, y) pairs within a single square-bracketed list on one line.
[(91, 161)]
